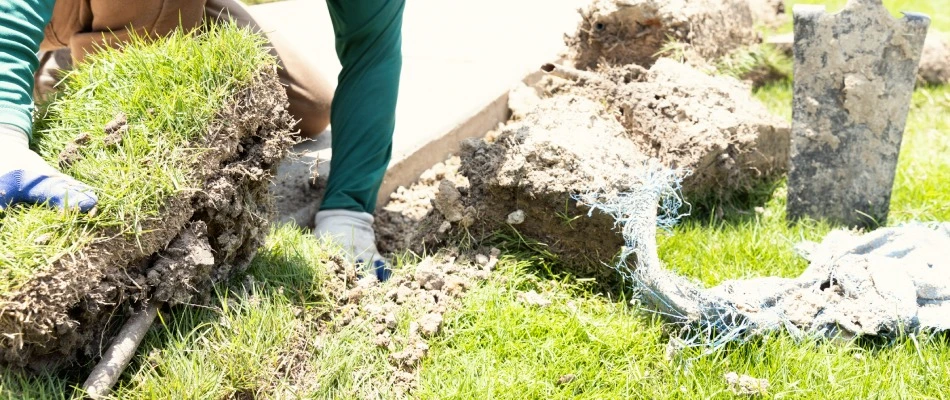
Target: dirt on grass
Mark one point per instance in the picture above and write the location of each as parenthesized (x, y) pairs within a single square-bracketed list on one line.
[(72, 308), (397, 318)]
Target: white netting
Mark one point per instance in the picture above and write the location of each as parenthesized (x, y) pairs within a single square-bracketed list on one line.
[(889, 281)]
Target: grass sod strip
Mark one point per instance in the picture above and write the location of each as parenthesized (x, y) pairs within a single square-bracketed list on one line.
[(182, 129)]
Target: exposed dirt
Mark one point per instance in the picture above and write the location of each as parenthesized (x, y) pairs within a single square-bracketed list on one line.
[(709, 125), (767, 12), (403, 220), (73, 307), (590, 133), (620, 32)]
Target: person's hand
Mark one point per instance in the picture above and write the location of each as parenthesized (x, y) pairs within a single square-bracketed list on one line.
[(353, 231), (27, 178)]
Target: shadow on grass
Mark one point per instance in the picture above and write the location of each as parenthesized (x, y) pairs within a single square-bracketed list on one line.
[(737, 208), (545, 264)]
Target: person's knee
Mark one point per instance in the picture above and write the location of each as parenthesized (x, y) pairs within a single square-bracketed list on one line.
[(110, 23), (313, 119)]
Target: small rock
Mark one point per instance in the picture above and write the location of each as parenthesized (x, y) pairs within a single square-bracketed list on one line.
[(482, 274), (373, 310), (455, 286), (446, 225), (382, 341), (70, 155), (429, 277), (117, 123), (450, 267), (115, 138), (367, 281), (83, 139), (448, 201), (390, 320), (521, 100), (566, 379), (673, 348), (410, 357), (379, 329), (403, 294), (481, 259), (746, 385), (468, 217), (516, 218), (43, 239), (404, 378), (532, 298), (347, 314), (353, 296), (430, 324)]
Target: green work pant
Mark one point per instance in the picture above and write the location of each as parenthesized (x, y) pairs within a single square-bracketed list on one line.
[(363, 114)]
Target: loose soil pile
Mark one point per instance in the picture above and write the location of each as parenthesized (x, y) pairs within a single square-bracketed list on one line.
[(590, 133), (201, 237), (618, 32)]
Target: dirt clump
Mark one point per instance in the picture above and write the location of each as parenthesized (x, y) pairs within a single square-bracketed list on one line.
[(745, 385), (935, 60), (403, 219), (116, 130), (767, 12), (188, 257), (200, 237), (709, 125), (619, 32)]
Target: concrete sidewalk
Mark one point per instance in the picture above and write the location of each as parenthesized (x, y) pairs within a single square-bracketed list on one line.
[(460, 60)]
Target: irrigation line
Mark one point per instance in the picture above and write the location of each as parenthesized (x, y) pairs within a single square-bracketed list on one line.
[(119, 353)]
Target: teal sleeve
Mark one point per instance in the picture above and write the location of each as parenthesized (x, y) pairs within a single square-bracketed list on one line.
[(21, 30), (363, 113)]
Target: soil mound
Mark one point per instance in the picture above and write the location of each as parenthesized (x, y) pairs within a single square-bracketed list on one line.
[(591, 132), (200, 237), (620, 32)]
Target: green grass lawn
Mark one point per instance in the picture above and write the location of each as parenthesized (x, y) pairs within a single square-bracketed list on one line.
[(585, 344)]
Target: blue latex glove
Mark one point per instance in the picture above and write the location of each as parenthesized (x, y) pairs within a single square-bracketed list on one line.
[(353, 231), (27, 178)]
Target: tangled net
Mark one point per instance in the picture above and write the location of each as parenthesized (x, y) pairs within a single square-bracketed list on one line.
[(887, 282)]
